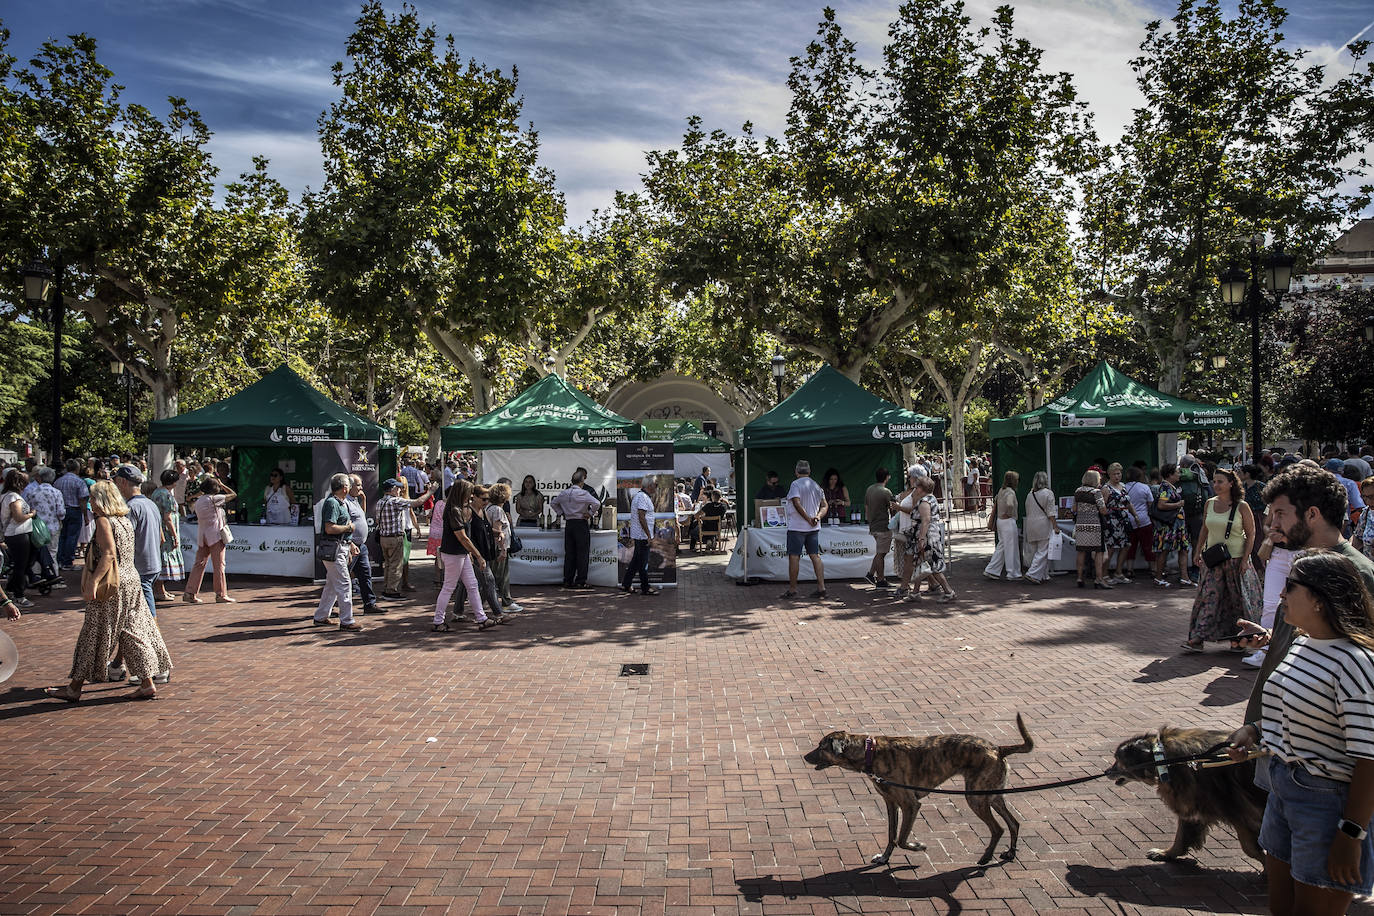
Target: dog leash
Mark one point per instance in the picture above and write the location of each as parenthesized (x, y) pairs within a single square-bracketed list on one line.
[(1207, 758)]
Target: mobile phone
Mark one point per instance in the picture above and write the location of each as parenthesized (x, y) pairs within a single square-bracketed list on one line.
[(1237, 637)]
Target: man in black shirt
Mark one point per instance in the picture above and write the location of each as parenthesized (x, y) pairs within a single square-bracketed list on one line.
[(771, 489)]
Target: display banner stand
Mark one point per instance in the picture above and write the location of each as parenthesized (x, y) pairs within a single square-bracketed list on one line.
[(345, 456), (635, 461)]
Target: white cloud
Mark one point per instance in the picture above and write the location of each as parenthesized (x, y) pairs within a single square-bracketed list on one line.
[(296, 160), (258, 76)]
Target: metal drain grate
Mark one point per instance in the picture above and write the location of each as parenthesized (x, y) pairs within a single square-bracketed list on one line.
[(632, 670)]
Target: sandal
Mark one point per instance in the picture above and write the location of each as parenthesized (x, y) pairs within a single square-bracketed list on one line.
[(1189, 647), (819, 593), (502, 619), (788, 594), (440, 628), (486, 624), (62, 693), (142, 694)]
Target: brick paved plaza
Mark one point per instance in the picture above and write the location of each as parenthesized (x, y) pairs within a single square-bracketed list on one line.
[(288, 769)]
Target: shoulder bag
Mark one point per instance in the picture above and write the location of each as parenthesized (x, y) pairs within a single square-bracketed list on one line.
[(107, 585), (1160, 516), (1218, 554)]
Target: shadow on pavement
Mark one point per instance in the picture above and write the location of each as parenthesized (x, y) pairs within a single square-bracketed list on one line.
[(18, 702), (1179, 884), (867, 881)]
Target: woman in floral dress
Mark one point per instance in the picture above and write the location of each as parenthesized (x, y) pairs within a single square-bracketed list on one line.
[(118, 624), (1171, 528), (1117, 532), (925, 541), (1089, 508), (1230, 592)]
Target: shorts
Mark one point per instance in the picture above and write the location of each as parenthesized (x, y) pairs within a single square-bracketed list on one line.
[(798, 542), (1300, 823), (882, 543)]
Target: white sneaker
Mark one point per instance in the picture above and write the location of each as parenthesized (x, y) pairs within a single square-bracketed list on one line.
[(161, 678), (514, 607)]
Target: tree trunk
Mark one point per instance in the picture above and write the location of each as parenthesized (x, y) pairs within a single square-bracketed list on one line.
[(958, 399), (165, 397)]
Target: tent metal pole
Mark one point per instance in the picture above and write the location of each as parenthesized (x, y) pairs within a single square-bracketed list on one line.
[(1244, 454), (1049, 474), (744, 528)]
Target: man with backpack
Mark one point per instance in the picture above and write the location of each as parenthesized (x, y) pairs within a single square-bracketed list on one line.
[(1197, 489)]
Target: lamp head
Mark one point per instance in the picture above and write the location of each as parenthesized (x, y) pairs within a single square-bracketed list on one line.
[(37, 282)]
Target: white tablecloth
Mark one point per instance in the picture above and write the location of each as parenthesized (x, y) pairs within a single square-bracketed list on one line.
[(846, 553), (540, 560)]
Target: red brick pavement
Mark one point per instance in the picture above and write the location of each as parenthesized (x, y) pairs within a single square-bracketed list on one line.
[(286, 769)]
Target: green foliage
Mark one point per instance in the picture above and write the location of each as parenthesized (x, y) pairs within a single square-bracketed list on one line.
[(1327, 389), (124, 201), (25, 362), (1236, 137), (434, 211), (892, 194)]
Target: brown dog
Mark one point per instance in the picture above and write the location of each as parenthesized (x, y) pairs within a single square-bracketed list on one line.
[(1199, 798), (927, 762)]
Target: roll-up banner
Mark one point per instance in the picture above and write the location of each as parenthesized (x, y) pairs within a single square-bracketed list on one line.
[(635, 461), (342, 456)]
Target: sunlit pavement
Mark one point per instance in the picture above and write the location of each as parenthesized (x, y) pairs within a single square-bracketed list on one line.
[(293, 769)]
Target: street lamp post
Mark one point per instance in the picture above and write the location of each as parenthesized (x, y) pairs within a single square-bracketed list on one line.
[(38, 282), (779, 370), (1243, 291), (126, 381)]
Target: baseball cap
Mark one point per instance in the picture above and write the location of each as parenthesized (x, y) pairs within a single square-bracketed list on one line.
[(390, 482), (1335, 465), (129, 472)]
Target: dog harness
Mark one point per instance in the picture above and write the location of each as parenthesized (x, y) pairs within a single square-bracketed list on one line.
[(1161, 767)]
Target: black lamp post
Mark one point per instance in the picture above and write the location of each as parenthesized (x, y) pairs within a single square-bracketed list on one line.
[(1243, 291), (126, 381), (779, 370), (39, 281), (1369, 328)]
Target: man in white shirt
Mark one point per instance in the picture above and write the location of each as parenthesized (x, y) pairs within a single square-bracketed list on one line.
[(805, 508), (641, 532)]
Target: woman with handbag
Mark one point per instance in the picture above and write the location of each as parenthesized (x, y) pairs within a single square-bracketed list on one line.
[(1116, 533), (16, 519), (211, 528), (117, 621), (1088, 509), (1230, 588), (1041, 523), (1171, 528), (1006, 556)]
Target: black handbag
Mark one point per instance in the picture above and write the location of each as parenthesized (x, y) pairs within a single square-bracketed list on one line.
[(1217, 554), (327, 548), (516, 545)]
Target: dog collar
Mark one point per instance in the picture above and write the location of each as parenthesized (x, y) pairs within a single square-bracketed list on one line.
[(1161, 768), (869, 745)]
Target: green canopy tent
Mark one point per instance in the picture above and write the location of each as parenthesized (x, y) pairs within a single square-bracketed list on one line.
[(271, 422), (1107, 416), (831, 422), (693, 450), (548, 414)]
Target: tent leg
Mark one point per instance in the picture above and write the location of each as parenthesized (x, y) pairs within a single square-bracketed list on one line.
[(745, 502), (947, 484), (1244, 455), (1048, 473)]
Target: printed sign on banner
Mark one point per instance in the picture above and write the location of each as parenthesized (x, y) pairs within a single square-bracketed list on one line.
[(339, 456), (634, 462)]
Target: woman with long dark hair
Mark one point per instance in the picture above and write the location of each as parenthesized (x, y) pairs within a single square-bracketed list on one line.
[(1317, 720), (458, 554), (1230, 589)]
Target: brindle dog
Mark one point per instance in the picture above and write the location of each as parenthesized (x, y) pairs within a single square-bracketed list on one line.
[(1200, 798), (927, 762)]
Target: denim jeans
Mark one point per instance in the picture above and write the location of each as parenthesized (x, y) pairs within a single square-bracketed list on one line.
[(71, 533), (147, 580), (362, 574), (638, 565)]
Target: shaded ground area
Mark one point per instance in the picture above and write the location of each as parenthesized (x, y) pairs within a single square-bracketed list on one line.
[(288, 769)]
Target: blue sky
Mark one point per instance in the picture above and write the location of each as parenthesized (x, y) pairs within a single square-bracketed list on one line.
[(602, 81)]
